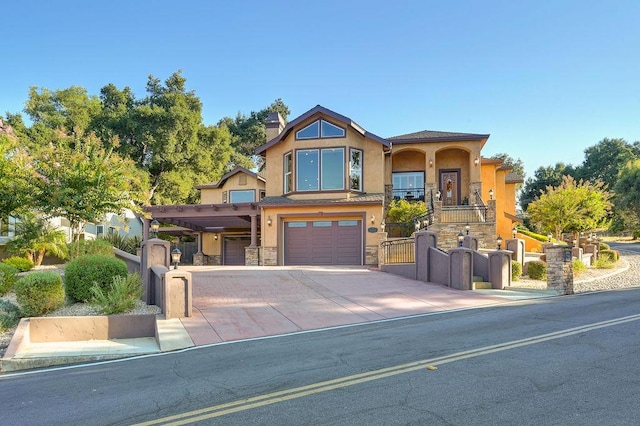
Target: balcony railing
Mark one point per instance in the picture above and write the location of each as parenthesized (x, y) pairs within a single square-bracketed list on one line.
[(463, 214), (409, 194), (399, 251)]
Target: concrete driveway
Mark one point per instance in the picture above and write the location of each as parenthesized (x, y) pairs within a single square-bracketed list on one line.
[(241, 302)]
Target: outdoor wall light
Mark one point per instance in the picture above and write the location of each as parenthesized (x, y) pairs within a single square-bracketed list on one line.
[(476, 161), (382, 225), (438, 195), (514, 231), (373, 219), (175, 257), (215, 237), (155, 225), (491, 194), (499, 241), (430, 162), (417, 226), (549, 236), (269, 221), (460, 238), (467, 227)]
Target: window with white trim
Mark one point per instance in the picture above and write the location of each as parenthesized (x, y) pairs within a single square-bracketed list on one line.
[(320, 169)]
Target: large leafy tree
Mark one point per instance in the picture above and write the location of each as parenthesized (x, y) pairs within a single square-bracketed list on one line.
[(82, 181), (543, 177), (571, 207), (603, 161), (627, 193), (16, 174), (249, 132)]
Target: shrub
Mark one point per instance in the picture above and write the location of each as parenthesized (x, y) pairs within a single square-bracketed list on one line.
[(81, 273), (603, 246), (39, 293), (84, 247), (20, 263), (537, 270), (8, 278), (604, 263), (635, 234), (516, 270), (579, 267), (128, 244), (9, 315), (610, 255), (120, 296)]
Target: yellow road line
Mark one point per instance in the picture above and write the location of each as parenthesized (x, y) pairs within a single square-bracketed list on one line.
[(342, 382)]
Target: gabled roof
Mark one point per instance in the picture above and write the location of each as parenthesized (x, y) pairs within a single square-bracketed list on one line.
[(318, 109), (435, 136), (224, 178)]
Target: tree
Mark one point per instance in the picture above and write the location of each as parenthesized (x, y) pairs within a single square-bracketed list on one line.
[(249, 131), (16, 174), (36, 237), (571, 207), (543, 177), (604, 160), (507, 160), (83, 181), (627, 192)]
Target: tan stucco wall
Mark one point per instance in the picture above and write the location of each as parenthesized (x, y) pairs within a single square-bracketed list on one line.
[(373, 162), (214, 195), (213, 247)]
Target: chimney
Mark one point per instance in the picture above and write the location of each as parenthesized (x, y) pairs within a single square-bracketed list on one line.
[(274, 124)]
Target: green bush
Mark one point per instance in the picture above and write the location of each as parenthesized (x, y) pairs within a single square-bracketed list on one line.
[(537, 270), (81, 273), (120, 296), (9, 315), (124, 243), (20, 263), (516, 270), (579, 267), (84, 247), (534, 235), (610, 255), (603, 246), (8, 278), (635, 234), (39, 293), (604, 263)]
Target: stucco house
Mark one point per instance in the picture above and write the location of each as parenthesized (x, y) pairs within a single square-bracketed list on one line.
[(325, 188)]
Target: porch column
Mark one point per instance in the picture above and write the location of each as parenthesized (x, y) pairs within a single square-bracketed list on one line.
[(254, 230), (145, 229)]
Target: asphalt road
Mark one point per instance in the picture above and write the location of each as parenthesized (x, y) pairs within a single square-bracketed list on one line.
[(563, 360)]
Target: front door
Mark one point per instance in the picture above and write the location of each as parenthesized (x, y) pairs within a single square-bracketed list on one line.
[(450, 187)]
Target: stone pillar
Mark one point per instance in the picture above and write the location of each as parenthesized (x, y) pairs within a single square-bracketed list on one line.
[(516, 246), (437, 211), (500, 268), (424, 241), (252, 256), (198, 259), (153, 252), (461, 268), (146, 224), (177, 298), (491, 211), (560, 268), (470, 242)]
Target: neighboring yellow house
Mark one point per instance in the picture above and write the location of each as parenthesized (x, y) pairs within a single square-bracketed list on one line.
[(325, 188)]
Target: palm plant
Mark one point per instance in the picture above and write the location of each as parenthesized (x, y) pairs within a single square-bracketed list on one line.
[(36, 238)]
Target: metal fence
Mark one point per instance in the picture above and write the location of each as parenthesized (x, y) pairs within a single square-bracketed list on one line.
[(399, 251), (463, 214)]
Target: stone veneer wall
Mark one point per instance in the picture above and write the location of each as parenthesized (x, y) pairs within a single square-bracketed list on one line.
[(448, 234), (559, 271), (252, 256), (269, 256), (371, 255)]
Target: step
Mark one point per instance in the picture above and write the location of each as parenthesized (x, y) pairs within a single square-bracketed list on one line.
[(482, 285)]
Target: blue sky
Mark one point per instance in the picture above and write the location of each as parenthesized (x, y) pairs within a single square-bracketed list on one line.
[(546, 79)]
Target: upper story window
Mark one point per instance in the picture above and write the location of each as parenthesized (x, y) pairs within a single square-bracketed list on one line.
[(319, 169), (355, 169), (288, 173), (242, 196), (320, 129)]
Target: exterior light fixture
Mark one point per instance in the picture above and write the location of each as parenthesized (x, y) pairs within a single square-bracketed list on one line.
[(460, 238), (175, 257), (438, 195), (476, 161), (499, 241), (382, 225), (269, 221), (215, 237), (417, 225), (155, 225), (373, 219), (514, 231), (491, 194), (549, 236), (430, 162), (467, 227)]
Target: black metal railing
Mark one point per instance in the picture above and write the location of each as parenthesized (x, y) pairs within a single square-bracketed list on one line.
[(463, 214), (399, 251), (409, 194)]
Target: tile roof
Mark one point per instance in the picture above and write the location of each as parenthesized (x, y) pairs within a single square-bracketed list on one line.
[(432, 135)]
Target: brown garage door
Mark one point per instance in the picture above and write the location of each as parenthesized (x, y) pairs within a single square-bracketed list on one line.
[(323, 242), (234, 250)]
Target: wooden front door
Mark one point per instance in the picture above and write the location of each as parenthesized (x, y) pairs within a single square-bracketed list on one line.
[(450, 187)]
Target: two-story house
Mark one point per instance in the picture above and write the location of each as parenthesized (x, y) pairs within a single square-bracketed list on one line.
[(327, 182)]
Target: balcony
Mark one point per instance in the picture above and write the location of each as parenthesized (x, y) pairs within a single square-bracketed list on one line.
[(409, 194)]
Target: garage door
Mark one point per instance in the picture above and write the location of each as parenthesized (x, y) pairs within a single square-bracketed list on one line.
[(234, 250), (323, 242)]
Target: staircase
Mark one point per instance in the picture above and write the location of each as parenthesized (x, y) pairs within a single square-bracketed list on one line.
[(480, 284)]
